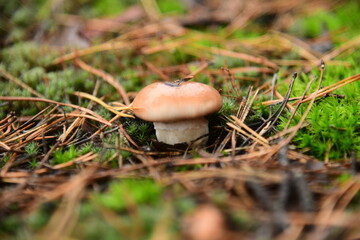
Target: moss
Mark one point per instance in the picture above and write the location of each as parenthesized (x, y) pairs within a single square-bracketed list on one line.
[(63, 156), (170, 7), (32, 148), (125, 192), (10, 225), (229, 107), (320, 21), (140, 131), (334, 127), (333, 122)]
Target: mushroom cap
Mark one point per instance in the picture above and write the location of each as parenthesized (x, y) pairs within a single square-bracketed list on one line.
[(168, 102)]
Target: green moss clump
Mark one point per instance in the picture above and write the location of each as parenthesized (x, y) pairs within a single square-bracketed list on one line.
[(333, 122), (121, 194), (61, 156)]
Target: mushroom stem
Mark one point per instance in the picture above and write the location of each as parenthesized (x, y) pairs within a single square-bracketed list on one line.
[(181, 131)]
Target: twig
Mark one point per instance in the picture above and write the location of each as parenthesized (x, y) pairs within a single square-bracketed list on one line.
[(350, 44), (107, 77), (13, 79), (102, 103), (273, 85), (298, 105), (31, 99)]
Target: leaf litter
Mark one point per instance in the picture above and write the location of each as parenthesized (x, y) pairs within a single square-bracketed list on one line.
[(282, 192)]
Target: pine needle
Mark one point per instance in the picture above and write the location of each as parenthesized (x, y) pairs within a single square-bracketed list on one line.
[(102, 103)]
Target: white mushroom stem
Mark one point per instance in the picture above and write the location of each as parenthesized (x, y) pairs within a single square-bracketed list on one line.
[(181, 131)]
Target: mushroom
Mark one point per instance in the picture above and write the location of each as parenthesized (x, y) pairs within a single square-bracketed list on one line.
[(177, 109)]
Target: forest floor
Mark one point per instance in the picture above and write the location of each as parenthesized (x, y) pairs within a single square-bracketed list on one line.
[(281, 157)]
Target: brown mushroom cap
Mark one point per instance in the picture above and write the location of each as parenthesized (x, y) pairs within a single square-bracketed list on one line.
[(165, 102)]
